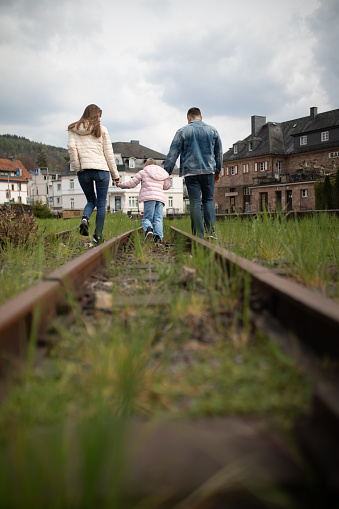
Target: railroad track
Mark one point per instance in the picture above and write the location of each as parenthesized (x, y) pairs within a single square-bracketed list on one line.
[(304, 325)]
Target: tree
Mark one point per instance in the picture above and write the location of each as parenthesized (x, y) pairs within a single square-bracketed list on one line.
[(328, 193), (319, 195), (336, 190), (41, 160)]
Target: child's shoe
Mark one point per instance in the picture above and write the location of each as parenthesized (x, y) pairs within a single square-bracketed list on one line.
[(148, 233), (84, 225)]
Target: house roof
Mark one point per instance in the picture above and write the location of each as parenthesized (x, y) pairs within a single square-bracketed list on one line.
[(278, 138), (9, 165), (134, 149)]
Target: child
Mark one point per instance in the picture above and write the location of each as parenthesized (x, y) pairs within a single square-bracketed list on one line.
[(154, 180)]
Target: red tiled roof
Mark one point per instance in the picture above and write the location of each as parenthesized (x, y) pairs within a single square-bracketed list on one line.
[(9, 165)]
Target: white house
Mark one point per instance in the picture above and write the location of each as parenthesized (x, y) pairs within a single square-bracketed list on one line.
[(130, 157), (40, 187), (14, 180)]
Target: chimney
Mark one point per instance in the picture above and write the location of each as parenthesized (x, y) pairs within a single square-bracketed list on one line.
[(313, 112), (136, 142), (257, 123)]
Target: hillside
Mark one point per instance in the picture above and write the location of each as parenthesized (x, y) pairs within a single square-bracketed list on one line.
[(33, 154)]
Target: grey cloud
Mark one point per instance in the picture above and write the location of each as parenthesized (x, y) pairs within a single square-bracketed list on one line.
[(216, 73), (324, 24)]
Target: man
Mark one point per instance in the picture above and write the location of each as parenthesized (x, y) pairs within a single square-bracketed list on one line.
[(200, 150)]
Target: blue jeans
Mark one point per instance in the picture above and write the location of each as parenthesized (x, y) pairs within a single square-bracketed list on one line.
[(95, 197), (200, 189), (153, 217)]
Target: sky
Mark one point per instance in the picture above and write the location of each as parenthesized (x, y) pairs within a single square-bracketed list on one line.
[(146, 62)]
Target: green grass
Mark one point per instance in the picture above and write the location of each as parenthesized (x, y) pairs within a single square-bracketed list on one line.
[(64, 423), (305, 249), (23, 266)]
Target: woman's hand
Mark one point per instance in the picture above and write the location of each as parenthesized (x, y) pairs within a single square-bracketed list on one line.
[(117, 182)]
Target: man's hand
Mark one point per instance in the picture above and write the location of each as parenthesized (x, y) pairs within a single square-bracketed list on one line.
[(217, 177), (117, 182)]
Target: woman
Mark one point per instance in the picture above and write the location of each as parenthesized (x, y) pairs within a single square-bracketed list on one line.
[(91, 155)]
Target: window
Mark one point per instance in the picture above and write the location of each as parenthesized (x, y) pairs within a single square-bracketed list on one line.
[(117, 161), (263, 166), (133, 202), (131, 163), (246, 191), (304, 193), (170, 201), (58, 201), (71, 184), (37, 191), (12, 187), (250, 146), (235, 149), (222, 172), (59, 187), (72, 203), (19, 199), (45, 177), (303, 140), (19, 186), (234, 170), (245, 168), (279, 166), (325, 136)]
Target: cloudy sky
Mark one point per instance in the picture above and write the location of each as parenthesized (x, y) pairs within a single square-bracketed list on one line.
[(145, 62)]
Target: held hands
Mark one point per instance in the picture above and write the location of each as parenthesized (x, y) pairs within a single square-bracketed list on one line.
[(116, 182)]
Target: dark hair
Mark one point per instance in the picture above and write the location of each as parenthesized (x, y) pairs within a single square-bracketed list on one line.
[(90, 119), (194, 112)]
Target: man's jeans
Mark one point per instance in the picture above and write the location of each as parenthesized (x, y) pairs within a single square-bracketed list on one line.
[(153, 217), (97, 198), (200, 188)]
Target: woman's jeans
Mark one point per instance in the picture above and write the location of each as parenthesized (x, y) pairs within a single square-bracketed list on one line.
[(95, 197), (200, 188), (153, 217)]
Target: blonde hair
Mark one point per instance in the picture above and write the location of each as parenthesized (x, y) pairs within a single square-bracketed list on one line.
[(149, 161), (90, 118)]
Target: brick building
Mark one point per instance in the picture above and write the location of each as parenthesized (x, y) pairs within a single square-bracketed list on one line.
[(277, 165)]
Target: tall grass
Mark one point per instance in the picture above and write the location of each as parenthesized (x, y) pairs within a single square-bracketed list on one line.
[(23, 265), (65, 428)]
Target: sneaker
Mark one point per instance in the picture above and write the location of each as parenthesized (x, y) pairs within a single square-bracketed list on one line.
[(148, 233), (84, 226), (157, 239), (212, 237), (97, 240)]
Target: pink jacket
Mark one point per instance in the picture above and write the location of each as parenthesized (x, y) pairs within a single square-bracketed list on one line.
[(154, 180)]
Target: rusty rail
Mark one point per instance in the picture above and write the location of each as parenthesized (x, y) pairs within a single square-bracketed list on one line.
[(31, 311), (313, 319)]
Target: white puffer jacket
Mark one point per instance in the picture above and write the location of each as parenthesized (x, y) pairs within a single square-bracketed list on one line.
[(154, 180), (89, 152)]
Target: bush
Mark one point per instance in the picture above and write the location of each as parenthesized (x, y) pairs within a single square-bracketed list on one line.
[(41, 210), (16, 230)]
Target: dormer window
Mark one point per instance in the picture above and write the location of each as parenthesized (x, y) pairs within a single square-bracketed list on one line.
[(250, 146), (303, 140), (325, 136), (235, 149), (131, 163)]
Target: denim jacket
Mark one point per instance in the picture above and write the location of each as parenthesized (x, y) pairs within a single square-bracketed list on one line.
[(199, 147)]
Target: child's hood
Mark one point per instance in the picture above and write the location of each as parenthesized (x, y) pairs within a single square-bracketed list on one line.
[(156, 172)]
